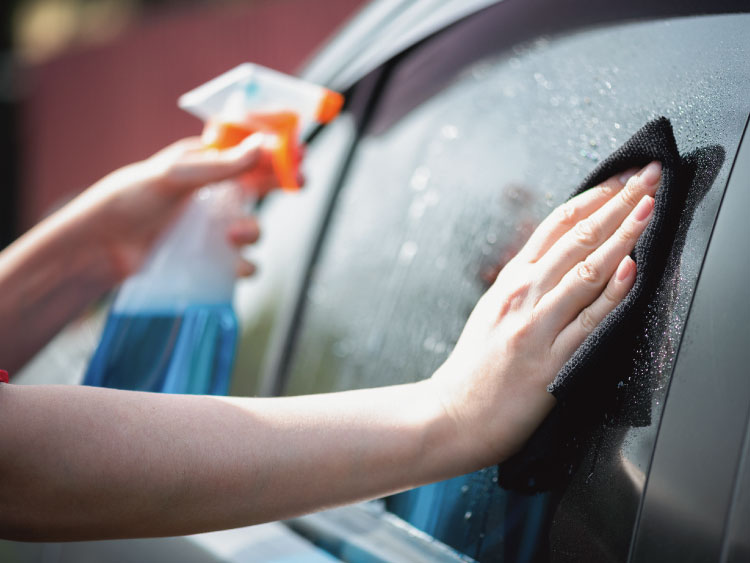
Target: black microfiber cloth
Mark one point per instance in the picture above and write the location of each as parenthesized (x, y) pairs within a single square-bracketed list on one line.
[(590, 383)]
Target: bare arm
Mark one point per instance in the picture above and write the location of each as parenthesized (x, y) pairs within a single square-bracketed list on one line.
[(91, 463), (103, 463)]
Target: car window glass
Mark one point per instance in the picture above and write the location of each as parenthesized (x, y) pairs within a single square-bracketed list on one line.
[(444, 188)]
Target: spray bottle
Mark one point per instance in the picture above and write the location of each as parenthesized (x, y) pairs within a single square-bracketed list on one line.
[(172, 327)]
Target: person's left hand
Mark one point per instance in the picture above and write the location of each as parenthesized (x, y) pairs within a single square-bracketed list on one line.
[(124, 212), (565, 280)]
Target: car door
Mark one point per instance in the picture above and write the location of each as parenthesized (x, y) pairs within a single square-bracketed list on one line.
[(462, 144)]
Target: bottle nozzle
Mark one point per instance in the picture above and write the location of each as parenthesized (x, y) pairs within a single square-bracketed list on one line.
[(329, 107)]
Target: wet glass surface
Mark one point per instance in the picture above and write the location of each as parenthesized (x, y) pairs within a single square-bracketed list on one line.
[(444, 189)]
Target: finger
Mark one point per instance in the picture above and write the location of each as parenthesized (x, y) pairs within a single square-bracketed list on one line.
[(205, 166), (243, 231), (583, 283), (565, 216), (571, 337), (181, 146), (244, 268), (587, 235)]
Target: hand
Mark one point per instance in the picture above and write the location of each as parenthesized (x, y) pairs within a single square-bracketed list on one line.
[(125, 212), (570, 274)]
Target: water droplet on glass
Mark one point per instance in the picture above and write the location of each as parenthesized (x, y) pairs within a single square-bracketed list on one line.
[(429, 343), (408, 251), (420, 178), (481, 71), (590, 155), (449, 132), (416, 209)]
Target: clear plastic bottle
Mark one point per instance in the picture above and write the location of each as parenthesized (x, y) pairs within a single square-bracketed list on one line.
[(172, 327)]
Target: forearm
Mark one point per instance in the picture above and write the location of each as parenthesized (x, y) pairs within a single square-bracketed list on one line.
[(91, 463), (47, 277)]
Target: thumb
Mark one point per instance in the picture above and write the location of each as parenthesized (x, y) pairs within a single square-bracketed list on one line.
[(203, 166)]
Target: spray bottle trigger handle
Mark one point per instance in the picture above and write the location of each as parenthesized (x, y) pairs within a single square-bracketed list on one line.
[(285, 155)]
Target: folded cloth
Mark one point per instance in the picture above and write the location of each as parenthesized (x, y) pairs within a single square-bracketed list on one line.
[(590, 383)]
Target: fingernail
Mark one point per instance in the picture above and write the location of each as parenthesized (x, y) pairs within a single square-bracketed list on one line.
[(643, 209), (243, 233), (625, 269), (625, 176), (245, 269), (650, 173)]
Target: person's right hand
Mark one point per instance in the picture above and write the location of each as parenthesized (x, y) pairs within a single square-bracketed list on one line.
[(571, 273), (122, 215)]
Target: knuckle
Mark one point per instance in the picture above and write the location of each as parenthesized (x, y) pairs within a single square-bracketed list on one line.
[(586, 232), (630, 194), (628, 232), (588, 272), (514, 300), (611, 295), (566, 214), (604, 190), (522, 332), (587, 321)]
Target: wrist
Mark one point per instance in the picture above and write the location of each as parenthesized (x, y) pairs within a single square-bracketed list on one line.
[(118, 219), (77, 237), (80, 256), (455, 441)]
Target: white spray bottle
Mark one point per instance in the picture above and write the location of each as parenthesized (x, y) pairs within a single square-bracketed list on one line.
[(172, 327)]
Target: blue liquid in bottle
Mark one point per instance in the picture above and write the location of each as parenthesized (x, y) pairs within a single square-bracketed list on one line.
[(190, 352)]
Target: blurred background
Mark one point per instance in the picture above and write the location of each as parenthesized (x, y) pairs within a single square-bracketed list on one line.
[(87, 86)]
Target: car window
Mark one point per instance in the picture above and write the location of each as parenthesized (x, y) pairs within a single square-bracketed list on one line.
[(467, 150)]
